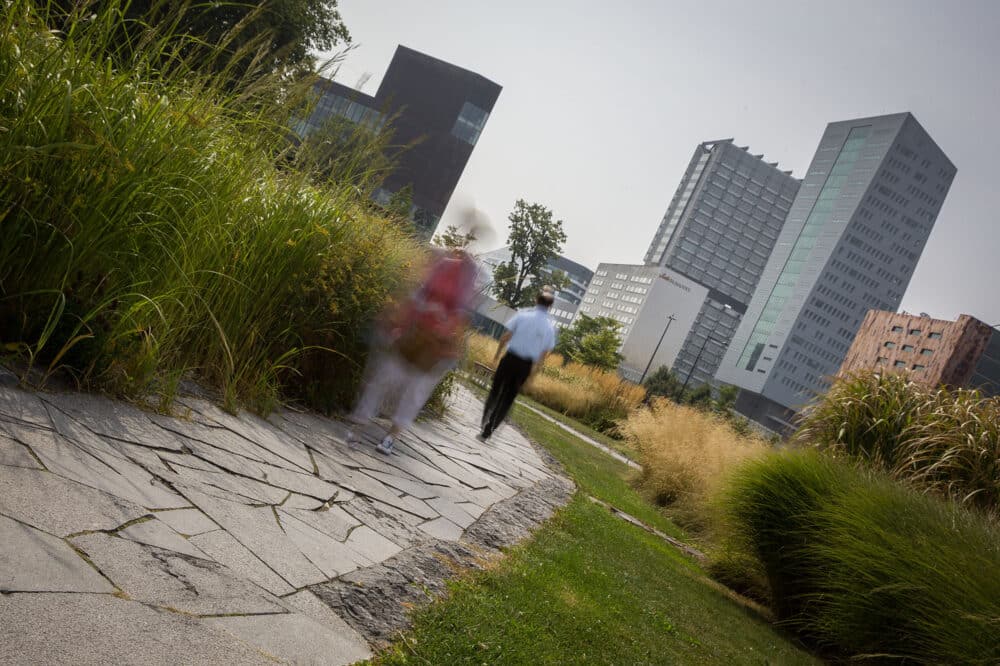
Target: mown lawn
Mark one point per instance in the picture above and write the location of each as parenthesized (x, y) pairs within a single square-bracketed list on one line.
[(619, 445), (590, 589)]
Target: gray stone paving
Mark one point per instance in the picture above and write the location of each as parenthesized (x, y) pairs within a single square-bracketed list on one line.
[(132, 537)]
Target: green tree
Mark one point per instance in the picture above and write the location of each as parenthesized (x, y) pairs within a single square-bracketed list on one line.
[(591, 340), (400, 203), (665, 384), (452, 238), (534, 239)]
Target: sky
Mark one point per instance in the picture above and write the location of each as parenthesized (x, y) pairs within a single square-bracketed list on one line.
[(603, 104)]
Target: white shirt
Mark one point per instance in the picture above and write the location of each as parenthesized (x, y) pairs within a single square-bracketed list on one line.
[(533, 333)]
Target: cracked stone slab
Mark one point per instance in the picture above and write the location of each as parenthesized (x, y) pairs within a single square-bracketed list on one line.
[(187, 521), (15, 454), (169, 580), (462, 516), (371, 544), (309, 604), (332, 557), (258, 530), (294, 638), (226, 550), (442, 528), (103, 416), (33, 561), (99, 629), (18, 405), (387, 521), (60, 507), (333, 522), (257, 492), (296, 501), (158, 534)]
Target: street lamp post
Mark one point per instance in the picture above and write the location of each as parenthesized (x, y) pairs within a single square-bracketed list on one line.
[(670, 320), (698, 358)]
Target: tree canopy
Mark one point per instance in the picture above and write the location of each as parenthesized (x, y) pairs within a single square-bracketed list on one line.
[(535, 238), (592, 341)]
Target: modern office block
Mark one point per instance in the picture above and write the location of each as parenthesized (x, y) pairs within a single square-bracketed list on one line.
[(930, 351), (719, 231), (437, 107), (567, 299), (655, 306), (850, 244)]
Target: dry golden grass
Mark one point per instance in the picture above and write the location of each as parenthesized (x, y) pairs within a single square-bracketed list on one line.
[(594, 396), (686, 454)]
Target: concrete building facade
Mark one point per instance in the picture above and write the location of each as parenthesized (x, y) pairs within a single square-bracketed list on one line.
[(437, 109), (719, 231), (850, 244), (655, 306), (931, 351)]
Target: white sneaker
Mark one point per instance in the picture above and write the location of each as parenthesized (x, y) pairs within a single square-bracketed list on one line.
[(385, 447)]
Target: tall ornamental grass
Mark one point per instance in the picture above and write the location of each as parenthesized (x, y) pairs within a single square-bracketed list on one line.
[(866, 567), (686, 455), (942, 441), (146, 233)]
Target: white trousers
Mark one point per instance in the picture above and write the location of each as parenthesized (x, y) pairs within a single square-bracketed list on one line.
[(389, 374)]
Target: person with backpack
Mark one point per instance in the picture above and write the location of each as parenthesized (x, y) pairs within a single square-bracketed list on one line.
[(423, 340)]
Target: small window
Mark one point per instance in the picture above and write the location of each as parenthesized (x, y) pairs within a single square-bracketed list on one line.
[(889, 345), (934, 336), (917, 366), (914, 331), (907, 348), (470, 123), (897, 329), (899, 364), (881, 360), (926, 352)]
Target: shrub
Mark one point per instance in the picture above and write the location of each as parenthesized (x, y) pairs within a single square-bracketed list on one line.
[(866, 566), (941, 441), (148, 234), (685, 454)]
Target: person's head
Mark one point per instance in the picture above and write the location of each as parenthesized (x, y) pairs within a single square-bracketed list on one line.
[(545, 297)]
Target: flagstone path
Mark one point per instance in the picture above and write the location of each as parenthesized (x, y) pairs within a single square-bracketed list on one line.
[(129, 537)]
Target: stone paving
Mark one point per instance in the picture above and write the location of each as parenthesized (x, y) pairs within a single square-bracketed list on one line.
[(130, 537)]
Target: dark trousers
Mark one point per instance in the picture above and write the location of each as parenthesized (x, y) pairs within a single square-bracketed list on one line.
[(510, 376)]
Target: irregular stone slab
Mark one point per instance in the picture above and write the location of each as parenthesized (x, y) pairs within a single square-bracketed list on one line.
[(333, 522), (387, 521), (332, 557), (187, 521), (294, 638), (15, 454), (111, 473), (362, 484), (258, 530), (296, 501), (456, 513), (442, 528), (58, 506), (224, 549), (371, 544), (99, 629), (221, 438), (154, 533), (309, 604), (304, 484), (413, 488), (107, 417), (18, 405), (169, 580), (257, 492), (33, 561)]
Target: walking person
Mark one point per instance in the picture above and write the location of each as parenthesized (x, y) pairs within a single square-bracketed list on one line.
[(421, 341), (529, 338)]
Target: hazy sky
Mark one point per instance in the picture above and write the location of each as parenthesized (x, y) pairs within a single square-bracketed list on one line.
[(603, 104)]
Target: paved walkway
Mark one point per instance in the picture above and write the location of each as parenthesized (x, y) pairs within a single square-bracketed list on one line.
[(129, 537)]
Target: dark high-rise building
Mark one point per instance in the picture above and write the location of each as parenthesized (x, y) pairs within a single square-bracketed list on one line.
[(437, 107), (719, 231)]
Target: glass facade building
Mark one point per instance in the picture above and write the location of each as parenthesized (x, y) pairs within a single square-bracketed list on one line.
[(436, 109), (719, 231), (851, 242)]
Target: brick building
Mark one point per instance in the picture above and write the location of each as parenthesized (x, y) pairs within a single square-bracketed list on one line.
[(932, 351)]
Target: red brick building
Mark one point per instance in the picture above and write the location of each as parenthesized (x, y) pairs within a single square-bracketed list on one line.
[(932, 351)]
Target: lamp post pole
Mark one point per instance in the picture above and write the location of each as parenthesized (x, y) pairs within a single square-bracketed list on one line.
[(670, 320), (698, 358)]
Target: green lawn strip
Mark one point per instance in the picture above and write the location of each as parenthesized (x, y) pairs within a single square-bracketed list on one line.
[(595, 472), (590, 589), (610, 442)]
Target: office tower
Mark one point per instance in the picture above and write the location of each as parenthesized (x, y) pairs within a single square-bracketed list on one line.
[(719, 231), (437, 107), (850, 244), (567, 298), (930, 351), (655, 306)]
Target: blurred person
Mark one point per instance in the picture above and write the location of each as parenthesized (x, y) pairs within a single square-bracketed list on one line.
[(416, 343), (530, 336)]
